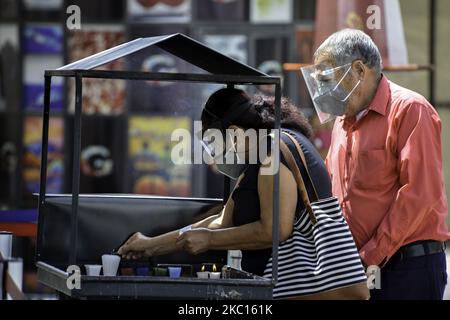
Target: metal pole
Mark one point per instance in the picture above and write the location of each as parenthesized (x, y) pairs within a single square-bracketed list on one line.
[(276, 189), (76, 170), (44, 152), (45, 126), (432, 52)]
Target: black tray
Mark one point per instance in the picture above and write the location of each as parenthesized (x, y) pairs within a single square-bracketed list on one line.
[(248, 287)]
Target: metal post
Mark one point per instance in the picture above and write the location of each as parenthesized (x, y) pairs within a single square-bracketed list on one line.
[(44, 152), (76, 170), (276, 189)]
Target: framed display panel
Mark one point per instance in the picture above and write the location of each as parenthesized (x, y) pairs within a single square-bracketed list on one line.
[(222, 70)]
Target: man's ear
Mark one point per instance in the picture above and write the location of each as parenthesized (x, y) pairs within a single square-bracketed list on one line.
[(360, 69)]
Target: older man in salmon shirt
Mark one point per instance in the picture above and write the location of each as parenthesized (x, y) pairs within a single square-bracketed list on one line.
[(385, 162)]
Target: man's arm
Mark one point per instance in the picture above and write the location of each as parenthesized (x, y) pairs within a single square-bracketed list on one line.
[(420, 178)]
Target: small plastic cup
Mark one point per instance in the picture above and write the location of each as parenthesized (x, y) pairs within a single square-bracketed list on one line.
[(142, 271), (160, 272), (174, 272), (93, 269), (110, 264)]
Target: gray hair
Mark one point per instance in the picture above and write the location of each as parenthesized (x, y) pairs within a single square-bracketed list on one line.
[(348, 45)]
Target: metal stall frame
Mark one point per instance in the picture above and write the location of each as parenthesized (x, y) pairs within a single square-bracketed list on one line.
[(79, 74)]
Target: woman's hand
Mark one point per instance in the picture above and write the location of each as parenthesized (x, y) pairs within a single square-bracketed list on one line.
[(195, 241), (136, 247)]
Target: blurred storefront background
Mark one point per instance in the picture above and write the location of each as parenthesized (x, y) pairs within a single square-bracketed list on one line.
[(127, 124)]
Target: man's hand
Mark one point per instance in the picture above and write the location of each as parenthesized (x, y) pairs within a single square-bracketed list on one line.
[(136, 247), (195, 241)]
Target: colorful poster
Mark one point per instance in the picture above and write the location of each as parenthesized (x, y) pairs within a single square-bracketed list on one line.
[(33, 95), (386, 31), (32, 141), (42, 39), (271, 11), (163, 11), (102, 154), (149, 151), (100, 96), (159, 97), (271, 53), (9, 67), (222, 10)]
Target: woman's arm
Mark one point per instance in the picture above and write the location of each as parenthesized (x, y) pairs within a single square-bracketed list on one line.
[(256, 235)]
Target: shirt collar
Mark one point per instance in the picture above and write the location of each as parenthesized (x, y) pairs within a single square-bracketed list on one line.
[(379, 102)]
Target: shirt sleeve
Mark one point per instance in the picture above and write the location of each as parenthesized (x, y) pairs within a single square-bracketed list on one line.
[(419, 167)]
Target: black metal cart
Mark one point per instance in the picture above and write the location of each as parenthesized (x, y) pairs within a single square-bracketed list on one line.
[(63, 217)]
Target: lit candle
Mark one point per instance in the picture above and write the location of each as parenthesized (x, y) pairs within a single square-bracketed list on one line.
[(203, 274), (214, 274)]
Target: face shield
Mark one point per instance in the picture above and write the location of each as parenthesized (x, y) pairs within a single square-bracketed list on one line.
[(325, 88), (219, 145)]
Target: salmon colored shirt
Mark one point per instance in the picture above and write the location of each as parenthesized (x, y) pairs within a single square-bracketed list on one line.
[(386, 169)]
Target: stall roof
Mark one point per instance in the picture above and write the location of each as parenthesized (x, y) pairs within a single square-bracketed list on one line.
[(177, 44)]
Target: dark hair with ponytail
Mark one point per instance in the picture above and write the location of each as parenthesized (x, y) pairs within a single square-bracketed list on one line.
[(260, 115)]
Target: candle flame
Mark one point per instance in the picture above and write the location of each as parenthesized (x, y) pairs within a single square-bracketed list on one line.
[(214, 268), (203, 268)]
